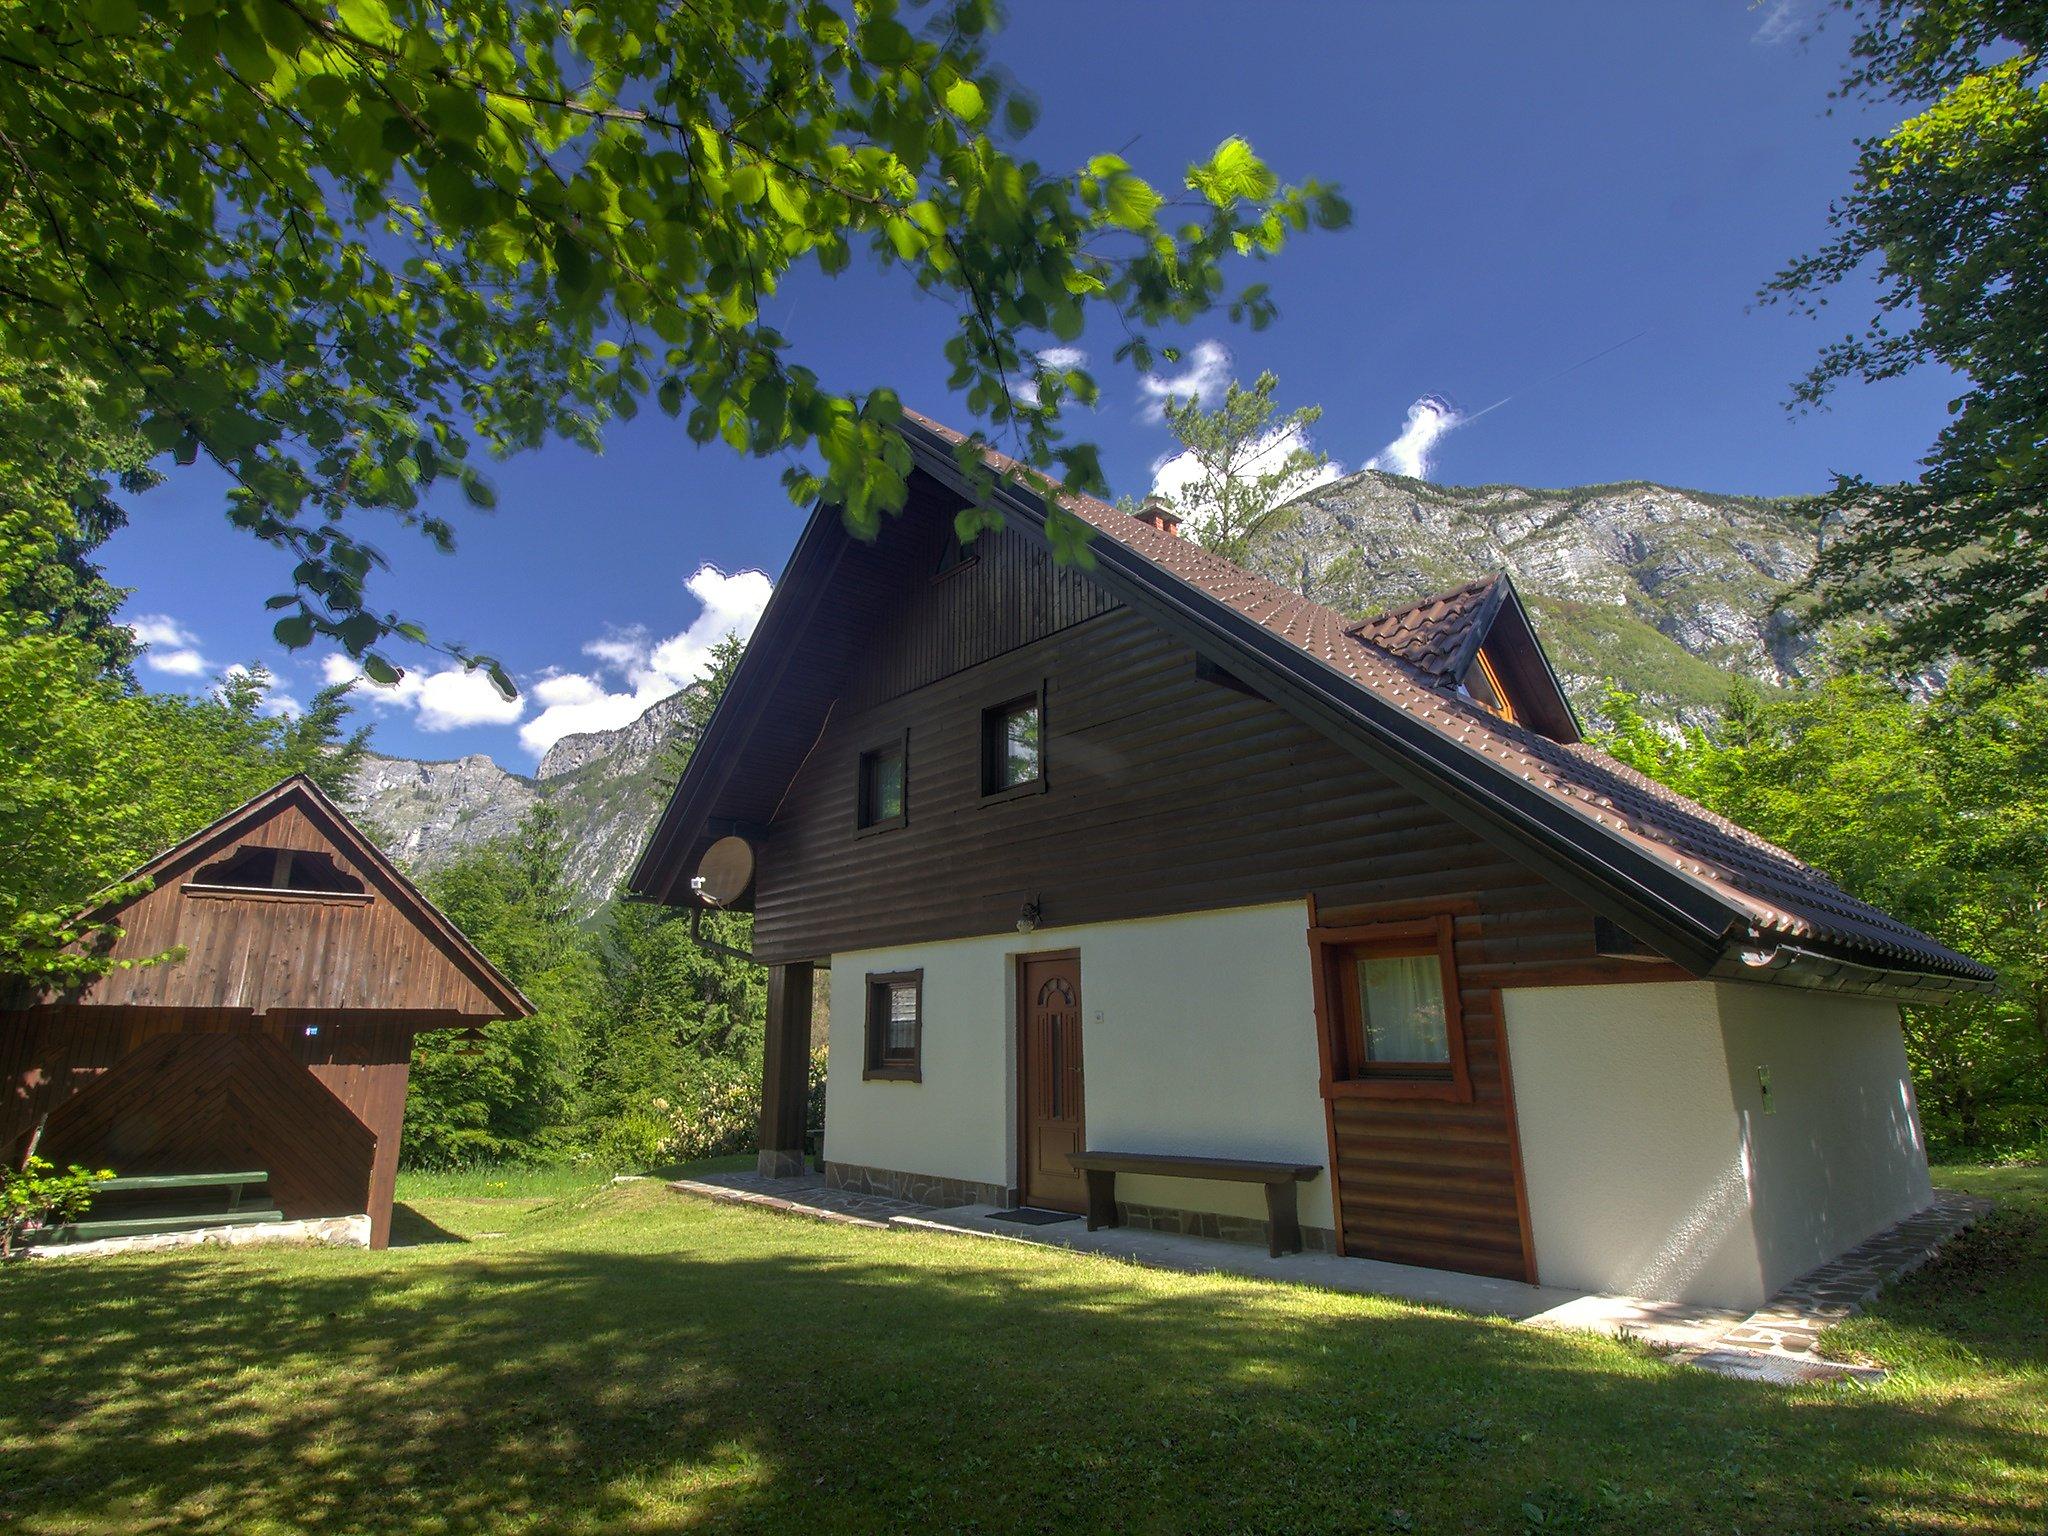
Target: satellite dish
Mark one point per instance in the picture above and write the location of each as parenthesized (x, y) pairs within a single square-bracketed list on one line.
[(725, 871)]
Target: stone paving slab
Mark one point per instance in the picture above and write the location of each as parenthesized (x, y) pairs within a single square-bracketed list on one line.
[(350, 1231), (807, 1196), (1789, 1325), (1478, 1294)]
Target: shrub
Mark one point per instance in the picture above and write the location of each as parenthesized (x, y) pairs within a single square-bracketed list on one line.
[(36, 1195)]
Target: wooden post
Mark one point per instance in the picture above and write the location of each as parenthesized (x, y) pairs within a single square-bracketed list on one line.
[(785, 1071)]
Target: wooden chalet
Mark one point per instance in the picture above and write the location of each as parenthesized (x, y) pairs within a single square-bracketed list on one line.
[(278, 1046), (1152, 887)]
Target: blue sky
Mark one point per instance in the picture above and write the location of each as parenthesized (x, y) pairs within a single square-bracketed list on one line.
[(1533, 185)]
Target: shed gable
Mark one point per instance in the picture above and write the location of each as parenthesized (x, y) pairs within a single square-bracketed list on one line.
[(347, 933)]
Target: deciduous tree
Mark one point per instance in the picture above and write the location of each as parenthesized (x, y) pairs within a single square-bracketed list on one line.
[(337, 248), (1938, 813), (1948, 214)]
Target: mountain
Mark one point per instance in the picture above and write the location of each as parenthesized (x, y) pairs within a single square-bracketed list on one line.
[(605, 788), (1670, 592)]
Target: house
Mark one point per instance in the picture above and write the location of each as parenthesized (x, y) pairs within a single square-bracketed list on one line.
[(1153, 855), (281, 1041)]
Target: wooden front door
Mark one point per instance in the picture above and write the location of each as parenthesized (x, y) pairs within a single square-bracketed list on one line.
[(1050, 1121)]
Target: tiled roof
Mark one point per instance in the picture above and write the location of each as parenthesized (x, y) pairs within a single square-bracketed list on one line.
[(1776, 892), (1437, 634)]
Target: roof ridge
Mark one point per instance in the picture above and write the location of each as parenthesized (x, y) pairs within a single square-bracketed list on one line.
[(1473, 587)]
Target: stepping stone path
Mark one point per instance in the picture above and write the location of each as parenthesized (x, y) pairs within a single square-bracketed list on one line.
[(1788, 1326)]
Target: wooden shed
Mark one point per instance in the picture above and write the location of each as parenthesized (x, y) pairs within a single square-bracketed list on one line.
[(280, 1042)]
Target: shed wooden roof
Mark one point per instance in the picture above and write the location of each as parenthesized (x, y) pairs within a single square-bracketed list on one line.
[(383, 950)]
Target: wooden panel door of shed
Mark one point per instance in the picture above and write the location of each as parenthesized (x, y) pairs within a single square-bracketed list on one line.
[(1051, 1120)]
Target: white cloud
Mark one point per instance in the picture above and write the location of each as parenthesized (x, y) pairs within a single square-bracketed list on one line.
[(642, 670), (1204, 378), (1173, 473), (171, 648), (1779, 21), (447, 700), (1429, 420)]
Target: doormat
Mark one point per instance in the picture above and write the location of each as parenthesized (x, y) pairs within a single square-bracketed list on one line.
[(1028, 1216)]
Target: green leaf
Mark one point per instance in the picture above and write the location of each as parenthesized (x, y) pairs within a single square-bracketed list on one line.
[(293, 631), (963, 99), (1130, 202), (572, 262), (886, 41), (380, 671)]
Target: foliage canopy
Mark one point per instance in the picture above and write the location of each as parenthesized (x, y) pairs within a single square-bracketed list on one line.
[(333, 249), (1250, 464), (1938, 813), (1949, 213)]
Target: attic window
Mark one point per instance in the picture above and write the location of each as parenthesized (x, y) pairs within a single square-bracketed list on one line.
[(278, 869), (882, 796)]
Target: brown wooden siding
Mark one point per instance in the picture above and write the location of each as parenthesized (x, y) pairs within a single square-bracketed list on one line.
[(1007, 595), (96, 1074), (266, 950), (1170, 794)]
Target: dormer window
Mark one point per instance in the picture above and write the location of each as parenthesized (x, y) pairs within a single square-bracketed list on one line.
[(1483, 686), (278, 869)]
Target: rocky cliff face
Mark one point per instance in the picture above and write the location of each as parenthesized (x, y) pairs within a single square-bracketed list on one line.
[(605, 787), (424, 813), (1667, 591)]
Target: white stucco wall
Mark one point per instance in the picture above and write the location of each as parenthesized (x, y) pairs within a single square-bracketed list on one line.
[(1651, 1166), (1840, 1155), (1198, 1036)]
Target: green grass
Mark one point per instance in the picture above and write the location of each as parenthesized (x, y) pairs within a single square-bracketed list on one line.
[(594, 1357)]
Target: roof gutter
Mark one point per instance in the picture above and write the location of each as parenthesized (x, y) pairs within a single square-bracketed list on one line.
[(1768, 959)]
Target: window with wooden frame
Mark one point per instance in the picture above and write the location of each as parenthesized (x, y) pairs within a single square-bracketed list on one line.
[(1387, 1010), (1484, 686), (896, 1026), (882, 795), (1013, 747)]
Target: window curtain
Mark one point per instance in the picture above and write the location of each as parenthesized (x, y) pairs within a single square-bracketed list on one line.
[(1402, 997)]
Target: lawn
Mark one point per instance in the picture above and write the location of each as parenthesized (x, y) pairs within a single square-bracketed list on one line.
[(563, 1355)]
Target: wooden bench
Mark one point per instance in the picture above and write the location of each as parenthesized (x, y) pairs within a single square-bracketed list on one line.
[(1283, 1219), (154, 1206), (158, 1183)]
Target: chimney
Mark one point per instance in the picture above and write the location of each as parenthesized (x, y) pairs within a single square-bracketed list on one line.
[(1155, 513)]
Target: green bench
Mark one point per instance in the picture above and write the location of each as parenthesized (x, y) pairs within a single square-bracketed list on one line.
[(149, 1203)]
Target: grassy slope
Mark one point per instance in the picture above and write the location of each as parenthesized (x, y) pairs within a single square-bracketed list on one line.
[(1606, 642), (625, 1359)]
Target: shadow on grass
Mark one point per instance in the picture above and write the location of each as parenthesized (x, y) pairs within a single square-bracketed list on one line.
[(410, 1229), (660, 1368)]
